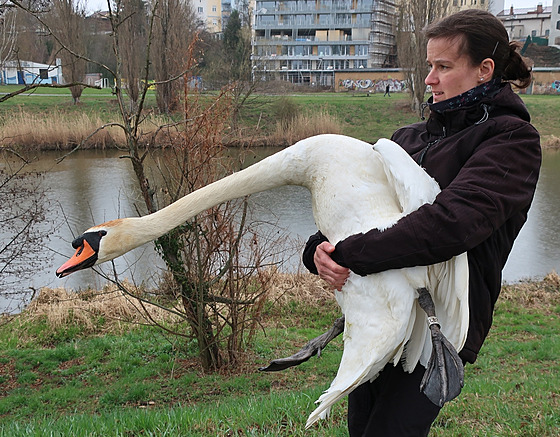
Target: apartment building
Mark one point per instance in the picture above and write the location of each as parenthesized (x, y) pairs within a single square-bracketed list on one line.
[(523, 22), (210, 13), (306, 41)]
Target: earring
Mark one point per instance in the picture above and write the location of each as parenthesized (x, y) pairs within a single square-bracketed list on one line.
[(481, 79)]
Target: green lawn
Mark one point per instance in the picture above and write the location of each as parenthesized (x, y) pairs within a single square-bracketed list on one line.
[(367, 118), (64, 382), (45, 100)]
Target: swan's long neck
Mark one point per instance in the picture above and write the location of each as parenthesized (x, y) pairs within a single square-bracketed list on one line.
[(283, 168)]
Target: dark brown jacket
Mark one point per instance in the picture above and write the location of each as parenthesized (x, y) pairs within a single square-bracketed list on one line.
[(486, 159)]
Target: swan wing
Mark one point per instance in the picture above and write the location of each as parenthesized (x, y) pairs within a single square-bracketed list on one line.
[(413, 186), (384, 323)]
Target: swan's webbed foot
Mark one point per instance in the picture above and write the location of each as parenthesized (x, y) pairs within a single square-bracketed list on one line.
[(313, 347), (444, 376)]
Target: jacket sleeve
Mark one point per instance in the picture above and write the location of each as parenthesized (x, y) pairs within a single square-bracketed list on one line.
[(496, 182), (309, 251)]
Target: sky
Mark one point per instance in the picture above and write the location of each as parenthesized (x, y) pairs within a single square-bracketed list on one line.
[(97, 5), (526, 3)]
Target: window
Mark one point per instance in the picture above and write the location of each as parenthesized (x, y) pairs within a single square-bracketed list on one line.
[(324, 19), (362, 50), (325, 51), (43, 73), (265, 18), (214, 8), (295, 51), (558, 25), (297, 65), (200, 9), (341, 64), (533, 33), (340, 50)]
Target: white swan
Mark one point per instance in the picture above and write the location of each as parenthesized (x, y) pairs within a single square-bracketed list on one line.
[(355, 187)]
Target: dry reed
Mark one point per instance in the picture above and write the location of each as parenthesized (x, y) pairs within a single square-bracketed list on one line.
[(304, 126), (59, 130), (544, 295), (118, 311), (62, 131), (59, 307), (303, 287), (550, 142)]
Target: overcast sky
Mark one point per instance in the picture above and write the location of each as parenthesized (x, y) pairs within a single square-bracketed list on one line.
[(101, 5), (526, 3)]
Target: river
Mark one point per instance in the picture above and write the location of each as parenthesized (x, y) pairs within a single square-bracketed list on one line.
[(90, 187)]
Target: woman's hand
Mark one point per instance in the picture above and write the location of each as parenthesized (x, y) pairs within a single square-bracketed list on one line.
[(334, 274)]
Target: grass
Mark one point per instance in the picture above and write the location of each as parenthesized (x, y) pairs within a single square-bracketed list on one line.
[(366, 118), (107, 378)]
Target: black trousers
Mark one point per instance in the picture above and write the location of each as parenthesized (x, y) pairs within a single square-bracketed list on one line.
[(391, 406)]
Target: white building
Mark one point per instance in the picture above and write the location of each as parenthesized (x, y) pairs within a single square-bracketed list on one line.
[(210, 13), (554, 37), (28, 72), (523, 22)]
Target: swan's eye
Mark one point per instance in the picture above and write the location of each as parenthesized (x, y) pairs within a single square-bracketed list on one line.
[(102, 233)]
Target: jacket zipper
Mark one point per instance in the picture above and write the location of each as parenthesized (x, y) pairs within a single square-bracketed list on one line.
[(484, 118), (430, 144)]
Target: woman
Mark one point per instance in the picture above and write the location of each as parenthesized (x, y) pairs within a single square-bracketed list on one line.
[(480, 147)]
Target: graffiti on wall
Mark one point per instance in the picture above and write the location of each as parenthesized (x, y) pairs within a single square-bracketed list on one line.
[(373, 85), (546, 88)]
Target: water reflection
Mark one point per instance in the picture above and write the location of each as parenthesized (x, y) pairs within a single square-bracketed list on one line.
[(536, 251), (91, 187)]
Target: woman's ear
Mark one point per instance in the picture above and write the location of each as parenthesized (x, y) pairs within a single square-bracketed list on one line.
[(486, 69)]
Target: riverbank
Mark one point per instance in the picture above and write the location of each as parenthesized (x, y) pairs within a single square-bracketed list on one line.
[(81, 365), (51, 122)]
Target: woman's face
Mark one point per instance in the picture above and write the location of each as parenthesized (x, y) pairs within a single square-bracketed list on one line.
[(451, 73)]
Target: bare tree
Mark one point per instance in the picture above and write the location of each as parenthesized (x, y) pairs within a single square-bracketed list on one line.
[(218, 295), (237, 45), (35, 21), (413, 17), (22, 218), (228, 61), (32, 41), (131, 39), (169, 49), (220, 291), (8, 33), (67, 21)]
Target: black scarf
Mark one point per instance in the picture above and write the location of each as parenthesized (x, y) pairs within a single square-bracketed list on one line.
[(468, 97)]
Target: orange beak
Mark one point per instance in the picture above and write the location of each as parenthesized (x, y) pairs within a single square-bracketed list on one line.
[(84, 257)]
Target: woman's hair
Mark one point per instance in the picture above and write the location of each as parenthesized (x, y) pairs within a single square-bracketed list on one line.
[(484, 36)]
